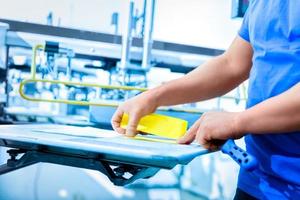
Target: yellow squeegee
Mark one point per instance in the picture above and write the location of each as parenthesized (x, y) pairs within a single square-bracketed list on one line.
[(159, 125)]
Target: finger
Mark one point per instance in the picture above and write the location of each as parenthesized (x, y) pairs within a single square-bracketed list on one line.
[(132, 125), (116, 121), (202, 139), (120, 130), (205, 144), (189, 135)]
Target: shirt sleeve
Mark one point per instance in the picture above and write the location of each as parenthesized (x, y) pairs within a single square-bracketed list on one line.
[(244, 30)]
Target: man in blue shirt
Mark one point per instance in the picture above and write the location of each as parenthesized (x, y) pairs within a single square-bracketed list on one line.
[(267, 51)]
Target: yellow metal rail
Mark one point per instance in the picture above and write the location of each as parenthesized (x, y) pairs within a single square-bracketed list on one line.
[(68, 83), (33, 61)]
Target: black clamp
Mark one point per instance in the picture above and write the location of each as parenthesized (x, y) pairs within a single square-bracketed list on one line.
[(118, 173), (51, 47)]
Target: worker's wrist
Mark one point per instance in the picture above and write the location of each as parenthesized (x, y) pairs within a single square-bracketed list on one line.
[(155, 96), (151, 99), (239, 124)]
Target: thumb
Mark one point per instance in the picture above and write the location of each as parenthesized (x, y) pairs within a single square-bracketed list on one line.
[(132, 125)]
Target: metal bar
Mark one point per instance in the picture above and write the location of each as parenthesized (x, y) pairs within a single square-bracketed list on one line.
[(127, 38), (5, 61), (18, 26), (148, 30), (27, 27), (26, 160)]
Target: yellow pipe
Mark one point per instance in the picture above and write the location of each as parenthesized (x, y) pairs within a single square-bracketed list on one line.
[(88, 103), (33, 61), (69, 83)]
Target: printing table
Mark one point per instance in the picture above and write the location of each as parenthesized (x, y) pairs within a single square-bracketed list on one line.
[(123, 160)]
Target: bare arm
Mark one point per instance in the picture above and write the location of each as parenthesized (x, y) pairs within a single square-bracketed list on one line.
[(280, 114), (214, 78), (275, 115)]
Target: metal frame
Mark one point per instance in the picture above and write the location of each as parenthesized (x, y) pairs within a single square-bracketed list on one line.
[(115, 174), (33, 79), (32, 28)]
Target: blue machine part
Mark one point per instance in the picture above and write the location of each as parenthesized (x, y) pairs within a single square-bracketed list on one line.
[(244, 159)]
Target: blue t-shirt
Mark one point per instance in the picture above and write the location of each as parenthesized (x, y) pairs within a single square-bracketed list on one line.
[(272, 27)]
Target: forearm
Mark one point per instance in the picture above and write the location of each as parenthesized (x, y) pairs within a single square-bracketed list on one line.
[(276, 115), (214, 78), (211, 79)]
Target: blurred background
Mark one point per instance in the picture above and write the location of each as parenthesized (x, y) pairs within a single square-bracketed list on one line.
[(138, 43)]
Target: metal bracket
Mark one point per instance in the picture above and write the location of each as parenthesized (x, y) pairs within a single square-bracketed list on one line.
[(118, 173)]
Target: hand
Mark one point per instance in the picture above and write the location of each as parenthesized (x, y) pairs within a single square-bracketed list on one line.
[(213, 129), (136, 107)]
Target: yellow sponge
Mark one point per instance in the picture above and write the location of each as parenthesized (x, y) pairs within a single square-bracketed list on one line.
[(160, 125)]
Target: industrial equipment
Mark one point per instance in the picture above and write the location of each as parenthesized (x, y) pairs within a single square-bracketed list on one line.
[(52, 75), (102, 150)]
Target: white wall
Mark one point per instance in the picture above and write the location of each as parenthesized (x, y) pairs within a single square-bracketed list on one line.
[(197, 22)]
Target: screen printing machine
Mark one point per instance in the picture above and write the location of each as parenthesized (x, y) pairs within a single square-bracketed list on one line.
[(89, 144)]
